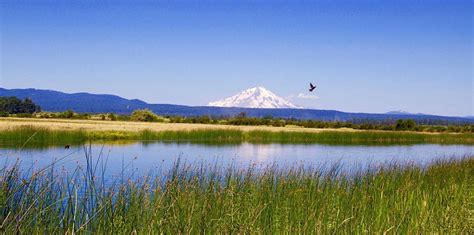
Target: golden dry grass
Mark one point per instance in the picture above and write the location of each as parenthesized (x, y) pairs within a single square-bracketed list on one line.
[(96, 125)]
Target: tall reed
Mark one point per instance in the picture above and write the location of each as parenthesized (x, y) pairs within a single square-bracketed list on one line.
[(209, 199)]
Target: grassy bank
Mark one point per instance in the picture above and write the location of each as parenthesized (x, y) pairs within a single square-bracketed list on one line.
[(43, 136), (203, 199)]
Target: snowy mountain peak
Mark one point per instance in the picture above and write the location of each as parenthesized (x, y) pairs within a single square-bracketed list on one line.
[(399, 112), (257, 97)]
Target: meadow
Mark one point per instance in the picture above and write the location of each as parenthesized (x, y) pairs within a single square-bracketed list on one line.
[(210, 199)]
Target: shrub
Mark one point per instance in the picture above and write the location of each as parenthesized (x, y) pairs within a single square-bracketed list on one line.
[(66, 114), (84, 116), (112, 117), (144, 115), (408, 124)]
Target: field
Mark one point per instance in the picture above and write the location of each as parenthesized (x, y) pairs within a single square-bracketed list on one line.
[(40, 131), (129, 126), (205, 199)]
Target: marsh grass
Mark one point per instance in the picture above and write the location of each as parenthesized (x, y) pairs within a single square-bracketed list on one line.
[(211, 199), (34, 136), (40, 137)]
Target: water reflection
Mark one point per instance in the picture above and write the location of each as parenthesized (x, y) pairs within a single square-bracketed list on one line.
[(154, 157), (48, 145)]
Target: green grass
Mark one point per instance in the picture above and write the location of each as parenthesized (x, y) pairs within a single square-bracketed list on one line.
[(205, 199), (44, 137), (28, 136)]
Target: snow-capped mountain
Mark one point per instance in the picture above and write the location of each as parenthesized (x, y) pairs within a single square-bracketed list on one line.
[(399, 112), (257, 97)]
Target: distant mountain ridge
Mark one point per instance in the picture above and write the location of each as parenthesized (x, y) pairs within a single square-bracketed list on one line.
[(257, 97), (56, 101)]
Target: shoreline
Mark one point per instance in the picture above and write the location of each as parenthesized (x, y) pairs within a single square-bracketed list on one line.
[(60, 131)]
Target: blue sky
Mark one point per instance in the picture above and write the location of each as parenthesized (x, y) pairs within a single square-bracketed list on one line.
[(365, 56)]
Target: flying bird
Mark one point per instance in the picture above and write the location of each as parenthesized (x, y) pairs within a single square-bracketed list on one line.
[(311, 87)]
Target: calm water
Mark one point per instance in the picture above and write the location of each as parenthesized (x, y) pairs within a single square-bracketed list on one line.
[(153, 158)]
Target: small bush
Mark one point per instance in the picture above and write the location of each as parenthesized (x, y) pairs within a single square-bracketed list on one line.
[(144, 115), (112, 117), (83, 116), (408, 124), (66, 114)]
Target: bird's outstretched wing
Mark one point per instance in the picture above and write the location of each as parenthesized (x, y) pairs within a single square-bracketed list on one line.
[(311, 87)]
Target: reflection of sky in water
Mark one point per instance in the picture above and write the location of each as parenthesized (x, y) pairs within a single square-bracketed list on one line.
[(152, 158)]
